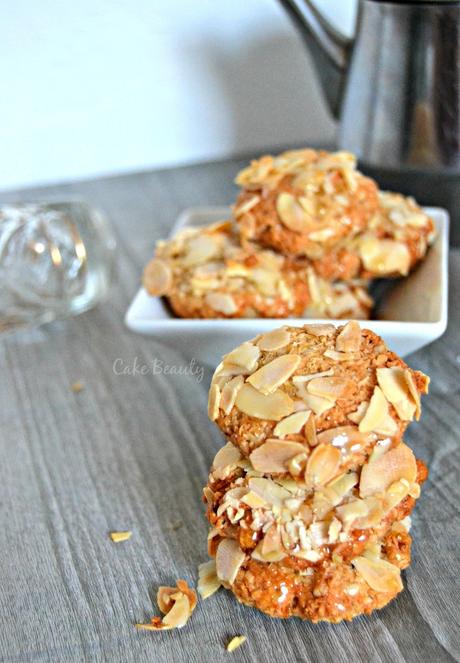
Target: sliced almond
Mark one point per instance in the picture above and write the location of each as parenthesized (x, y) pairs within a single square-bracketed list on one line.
[(341, 486), (380, 575), (118, 537), (271, 376), (200, 249), (339, 356), (208, 582), (180, 612), (274, 340), (298, 379), (246, 206), (349, 338), (228, 455), (321, 506), (272, 541), (274, 406), (323, 464), (296, 465), (320, 329), (375, 513), (253, 500), (395, 493), (384, 256), (236, 642), (292, 424), (334, 530), (331, 388), (321, 235), (373, 550), (165, 596), (292, 214), (349, 512), (318, 532), (394, 385), (357, 416), (310, 430), (266, 280), (245, 356), (271, 492), (208, 495), (316, 403), (229, 393), (377, 417), (157, 279), (221, 302), (415, 490), (288, 484), (219, 227), (397, 463), (217, 374), (229, 558), (308, 205), (214, 402), (164, 600), (274, 455), (177, 602), (272, 556), (413, 392)]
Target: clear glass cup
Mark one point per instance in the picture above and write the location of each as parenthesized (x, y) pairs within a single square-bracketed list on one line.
[(56, 260)]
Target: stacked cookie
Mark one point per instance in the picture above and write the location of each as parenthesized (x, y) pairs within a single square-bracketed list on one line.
[(309, 232), (309, 500)]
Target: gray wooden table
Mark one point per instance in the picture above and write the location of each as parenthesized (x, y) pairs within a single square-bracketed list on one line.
[(133, 452)]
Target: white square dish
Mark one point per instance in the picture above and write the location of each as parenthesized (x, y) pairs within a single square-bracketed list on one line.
[(413, 313)]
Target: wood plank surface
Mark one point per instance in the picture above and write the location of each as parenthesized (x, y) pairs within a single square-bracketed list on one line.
[(133, 452)]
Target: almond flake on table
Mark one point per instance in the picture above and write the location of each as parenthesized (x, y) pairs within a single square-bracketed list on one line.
[(118, 537), (236, 642)]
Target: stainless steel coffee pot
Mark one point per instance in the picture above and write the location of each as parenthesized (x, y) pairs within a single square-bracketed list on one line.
[(395, 88)]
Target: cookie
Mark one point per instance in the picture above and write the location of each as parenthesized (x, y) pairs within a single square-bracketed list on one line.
[(316, 546), (206, 273), (308, 384), (304, 202)]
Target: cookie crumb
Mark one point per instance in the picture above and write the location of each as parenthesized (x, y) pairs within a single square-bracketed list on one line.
[(118, 537), (236, 642)]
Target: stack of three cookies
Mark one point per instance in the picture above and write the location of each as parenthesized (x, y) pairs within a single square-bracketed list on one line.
[(309, 500), (308, 233)]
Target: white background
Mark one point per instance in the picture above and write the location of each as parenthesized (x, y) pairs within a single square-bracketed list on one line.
[(105, 86)]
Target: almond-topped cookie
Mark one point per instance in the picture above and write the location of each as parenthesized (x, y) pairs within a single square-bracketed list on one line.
[(304, 202), (313, 384), (325, 545), (206, 273)]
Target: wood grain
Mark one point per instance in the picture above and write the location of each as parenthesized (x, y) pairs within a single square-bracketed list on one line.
[(133, 452)]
